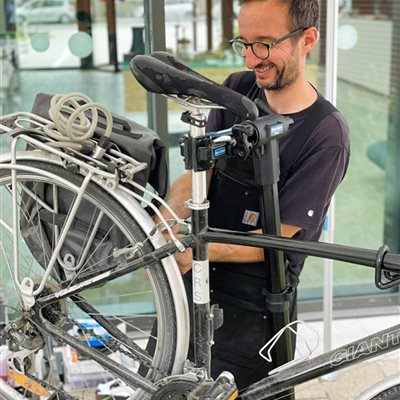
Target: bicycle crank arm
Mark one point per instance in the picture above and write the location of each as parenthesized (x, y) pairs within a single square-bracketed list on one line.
[(224, 388)]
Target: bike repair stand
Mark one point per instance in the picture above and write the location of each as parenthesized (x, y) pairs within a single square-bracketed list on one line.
[(259, 138)]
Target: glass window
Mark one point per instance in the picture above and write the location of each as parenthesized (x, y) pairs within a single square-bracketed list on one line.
[(367, 201)]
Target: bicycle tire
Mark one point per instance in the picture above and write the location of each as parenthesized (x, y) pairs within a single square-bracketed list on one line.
[(392, 393), (388, 389), (118, 220)]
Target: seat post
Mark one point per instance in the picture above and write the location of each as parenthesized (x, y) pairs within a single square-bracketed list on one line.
[(199, 205)]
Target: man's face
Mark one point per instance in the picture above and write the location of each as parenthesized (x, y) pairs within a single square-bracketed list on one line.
[(267, 21)]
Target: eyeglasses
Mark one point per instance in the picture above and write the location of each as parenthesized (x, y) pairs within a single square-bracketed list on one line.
[(260, 49)]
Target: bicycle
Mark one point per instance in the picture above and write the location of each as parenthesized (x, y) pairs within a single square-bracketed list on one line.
[(78, 222)]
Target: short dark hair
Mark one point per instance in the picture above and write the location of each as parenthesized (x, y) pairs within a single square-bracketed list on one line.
[(302, 13)]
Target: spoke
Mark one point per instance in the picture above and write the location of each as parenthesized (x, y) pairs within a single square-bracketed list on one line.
[(124, 320), (126, 344), (28, 217), (28, 268), (35, 197), (40, 234), (134, 326), (105, 239), (123, 372), (90, 235)]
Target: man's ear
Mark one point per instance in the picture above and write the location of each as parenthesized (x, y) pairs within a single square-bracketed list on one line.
[(310, 38)]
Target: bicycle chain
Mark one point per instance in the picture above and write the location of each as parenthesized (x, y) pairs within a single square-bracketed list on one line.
[(47, 385)]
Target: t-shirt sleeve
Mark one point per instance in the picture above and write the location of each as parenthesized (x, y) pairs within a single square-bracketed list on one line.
[(306, 195)]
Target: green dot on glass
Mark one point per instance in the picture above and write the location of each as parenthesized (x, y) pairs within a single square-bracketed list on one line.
[(80, 44), (40, 42)]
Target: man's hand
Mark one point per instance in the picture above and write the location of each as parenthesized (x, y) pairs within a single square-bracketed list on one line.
[(178, 194), (183, 258)]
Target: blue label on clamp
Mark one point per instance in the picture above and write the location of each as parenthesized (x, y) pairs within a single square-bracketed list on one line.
[(219, 151)]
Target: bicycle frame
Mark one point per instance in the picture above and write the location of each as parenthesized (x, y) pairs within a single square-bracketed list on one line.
[(363, 349)]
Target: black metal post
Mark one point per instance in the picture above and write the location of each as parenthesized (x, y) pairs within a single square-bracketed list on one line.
[(112, 34), (266, 168), (84, 17)]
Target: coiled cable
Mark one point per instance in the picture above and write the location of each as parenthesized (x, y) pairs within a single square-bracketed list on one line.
[(71, 126)]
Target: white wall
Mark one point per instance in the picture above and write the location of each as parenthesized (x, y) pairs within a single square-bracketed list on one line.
[(367, 63)]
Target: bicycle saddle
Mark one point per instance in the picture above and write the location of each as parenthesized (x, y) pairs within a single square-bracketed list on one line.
[(162, 73)]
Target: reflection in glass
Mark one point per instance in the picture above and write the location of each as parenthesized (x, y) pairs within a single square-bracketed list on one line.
[(347, 37), (80, 44), (40, 42)]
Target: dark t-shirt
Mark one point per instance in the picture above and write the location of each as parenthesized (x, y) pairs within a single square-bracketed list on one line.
[(317, 170)]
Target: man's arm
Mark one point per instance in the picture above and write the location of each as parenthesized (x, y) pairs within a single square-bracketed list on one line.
[(243, 254), (181, 191)]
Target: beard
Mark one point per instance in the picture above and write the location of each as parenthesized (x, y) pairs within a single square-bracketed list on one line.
[(285, 76)]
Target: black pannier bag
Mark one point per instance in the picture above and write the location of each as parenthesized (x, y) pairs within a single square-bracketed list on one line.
[(133, 139), (38, 224)]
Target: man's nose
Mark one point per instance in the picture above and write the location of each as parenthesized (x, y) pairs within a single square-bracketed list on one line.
[(250, 59)]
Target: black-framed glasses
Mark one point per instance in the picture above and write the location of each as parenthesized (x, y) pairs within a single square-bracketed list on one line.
[(260, 49)]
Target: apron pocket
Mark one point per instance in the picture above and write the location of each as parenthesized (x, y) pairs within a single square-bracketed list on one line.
[(243, 333)]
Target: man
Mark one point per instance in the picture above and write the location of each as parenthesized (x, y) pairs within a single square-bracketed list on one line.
[(275, 37)]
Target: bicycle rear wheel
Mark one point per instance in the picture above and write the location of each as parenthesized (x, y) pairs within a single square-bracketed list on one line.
[(388, 389), (102, 236)]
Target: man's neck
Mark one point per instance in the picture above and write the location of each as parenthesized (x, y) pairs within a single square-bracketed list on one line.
[(294, 98)]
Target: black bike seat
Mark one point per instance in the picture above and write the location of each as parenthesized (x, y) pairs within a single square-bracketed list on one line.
[(164, 74)]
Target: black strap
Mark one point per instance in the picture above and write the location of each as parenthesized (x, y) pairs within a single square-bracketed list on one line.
[(120, 125)]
